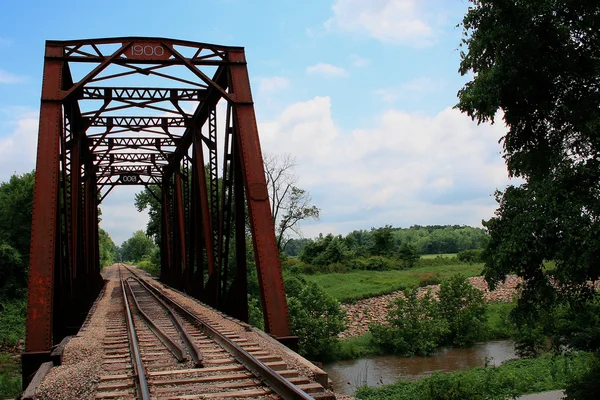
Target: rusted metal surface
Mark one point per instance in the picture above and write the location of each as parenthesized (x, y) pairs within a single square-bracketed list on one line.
[(97, 133)]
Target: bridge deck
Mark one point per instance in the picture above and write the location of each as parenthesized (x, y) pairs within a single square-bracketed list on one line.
[(96, 362)]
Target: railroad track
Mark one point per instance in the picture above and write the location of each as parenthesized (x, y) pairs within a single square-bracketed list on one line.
[(155, 348)]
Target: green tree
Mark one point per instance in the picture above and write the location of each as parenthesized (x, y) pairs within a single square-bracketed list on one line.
[(536, 64), (16, 202), (408, 254), (137, 246), (383, 241), (463, 307), (145, 200), (108, 250)]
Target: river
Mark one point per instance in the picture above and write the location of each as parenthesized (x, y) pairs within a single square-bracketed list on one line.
[(347, 376)]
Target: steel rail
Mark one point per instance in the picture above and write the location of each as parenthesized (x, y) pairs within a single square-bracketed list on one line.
[(176, 349), (276, 382), (185, 336), (142, 383)]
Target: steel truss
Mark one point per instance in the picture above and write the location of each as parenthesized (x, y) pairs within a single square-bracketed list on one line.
[(97, 133)]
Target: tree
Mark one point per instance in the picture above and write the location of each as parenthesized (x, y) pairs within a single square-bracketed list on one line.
[(108, 250), (537, 64), (137, 246), (146, 200), (383, 241), (289, 204), (16, 203), (408, 254)]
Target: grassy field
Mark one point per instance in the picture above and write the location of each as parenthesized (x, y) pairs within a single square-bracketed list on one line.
[(356, 285), (447, 255)]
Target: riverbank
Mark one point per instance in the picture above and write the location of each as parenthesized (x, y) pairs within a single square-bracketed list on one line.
[(349, 375), (511, 379)]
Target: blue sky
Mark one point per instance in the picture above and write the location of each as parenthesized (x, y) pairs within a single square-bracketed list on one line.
[(359, 92)]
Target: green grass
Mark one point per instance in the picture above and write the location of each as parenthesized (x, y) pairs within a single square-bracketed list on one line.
[(12, 329), (446, 255), (12, 321), (356, 285), (10, 377), (357, 347), (511, 379)]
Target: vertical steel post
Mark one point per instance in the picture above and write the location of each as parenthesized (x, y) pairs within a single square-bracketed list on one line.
[(181, 266), (265, 247), (40, 296)]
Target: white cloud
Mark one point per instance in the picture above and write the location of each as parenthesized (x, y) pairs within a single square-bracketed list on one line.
[(395, 21), (407, 169), (7, 77), (18, 147), (328, 70), (273, 84), (359, 62), (119, 216)]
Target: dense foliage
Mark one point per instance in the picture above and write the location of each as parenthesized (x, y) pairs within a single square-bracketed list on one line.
[(108, 250), (511, 379), (400, 244), (16, 202), (315, 317), (553, 120), (415, 326), (137, 247), (537, 65), (419, 325)]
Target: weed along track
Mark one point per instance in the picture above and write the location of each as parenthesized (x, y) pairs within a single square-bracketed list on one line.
[(157, 347)]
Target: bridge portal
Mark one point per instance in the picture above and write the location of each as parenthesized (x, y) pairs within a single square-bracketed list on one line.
[(143, 111)]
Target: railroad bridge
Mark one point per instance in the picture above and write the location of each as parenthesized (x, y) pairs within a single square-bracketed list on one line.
[(177, 118)]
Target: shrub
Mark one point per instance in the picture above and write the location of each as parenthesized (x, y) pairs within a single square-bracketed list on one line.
[(463, 307), (147, 266), (415, 326), (378, 263), (337, 268), (470, 256), (437, 261), (315, 317)]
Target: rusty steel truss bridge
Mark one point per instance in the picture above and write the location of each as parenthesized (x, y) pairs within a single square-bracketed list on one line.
[(143, 111)]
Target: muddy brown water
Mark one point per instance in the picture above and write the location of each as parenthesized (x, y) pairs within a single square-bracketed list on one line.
[(347, 376)]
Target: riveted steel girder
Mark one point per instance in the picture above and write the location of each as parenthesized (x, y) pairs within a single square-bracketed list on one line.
[(97, 132)]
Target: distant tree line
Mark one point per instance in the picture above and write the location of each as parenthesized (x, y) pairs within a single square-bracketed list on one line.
[(388, 241)]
